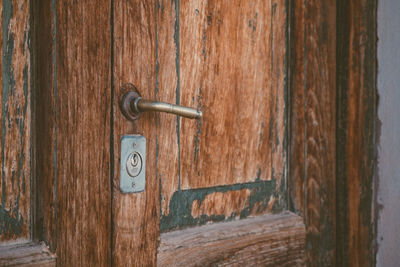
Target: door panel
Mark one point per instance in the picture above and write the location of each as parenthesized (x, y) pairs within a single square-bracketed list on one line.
[(227, 69), (228, 59)]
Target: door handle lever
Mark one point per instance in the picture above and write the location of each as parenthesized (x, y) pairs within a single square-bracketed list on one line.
[(132, 105)]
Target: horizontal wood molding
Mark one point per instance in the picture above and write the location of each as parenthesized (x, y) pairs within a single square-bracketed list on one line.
[(277, 240), (27, 254)]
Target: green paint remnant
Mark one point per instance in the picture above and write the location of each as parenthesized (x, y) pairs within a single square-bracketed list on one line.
[(11, 221), (180, 206), (8, 85), (258, 177), (199, 124)]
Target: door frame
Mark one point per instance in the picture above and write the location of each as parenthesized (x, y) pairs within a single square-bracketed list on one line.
[(341, 232)]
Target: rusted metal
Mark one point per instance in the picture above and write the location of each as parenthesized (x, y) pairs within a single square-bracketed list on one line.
[(131, 105)]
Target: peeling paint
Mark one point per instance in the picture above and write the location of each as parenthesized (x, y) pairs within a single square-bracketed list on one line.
[(15, 121), (217, 203), (11, 222), (185, 207)]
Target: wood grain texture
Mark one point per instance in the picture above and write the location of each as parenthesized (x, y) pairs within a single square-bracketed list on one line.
[(74, 178), (356, 67), (83, 92), (315, 124), (215, 204), (27, 254), (167, 158), (228, 70), (227, 59), (15, 117), (268, 240), (135, 216)]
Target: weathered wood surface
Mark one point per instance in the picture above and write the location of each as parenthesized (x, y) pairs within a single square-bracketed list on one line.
[(167, 158), (15, 121), (27, 254), (135, 216), (313, 158), (232, 57), (356, 68), (227, 59), (83, 52), (268, 240), (74, 178)]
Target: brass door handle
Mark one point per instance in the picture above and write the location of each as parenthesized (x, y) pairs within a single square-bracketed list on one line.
[(131, 105)]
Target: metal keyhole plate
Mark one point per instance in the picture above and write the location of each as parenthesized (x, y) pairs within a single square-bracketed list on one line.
[(133, 164)]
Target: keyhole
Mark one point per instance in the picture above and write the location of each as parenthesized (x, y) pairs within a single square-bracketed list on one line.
[(134, 164), (134, 160)]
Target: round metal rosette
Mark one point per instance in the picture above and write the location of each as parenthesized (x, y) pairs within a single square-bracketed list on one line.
[(128, 94)]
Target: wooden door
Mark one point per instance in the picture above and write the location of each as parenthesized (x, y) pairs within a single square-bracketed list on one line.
[(283, 90)]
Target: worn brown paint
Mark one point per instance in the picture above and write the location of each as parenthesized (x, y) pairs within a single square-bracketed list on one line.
[(135, 216), (15, 121)]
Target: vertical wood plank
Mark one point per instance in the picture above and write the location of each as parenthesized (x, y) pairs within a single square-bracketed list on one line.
[(15, 117), (315, 124), (320, 111), (83, 95), (73, 104), (167, 83), (135, 216), (356, 68)]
